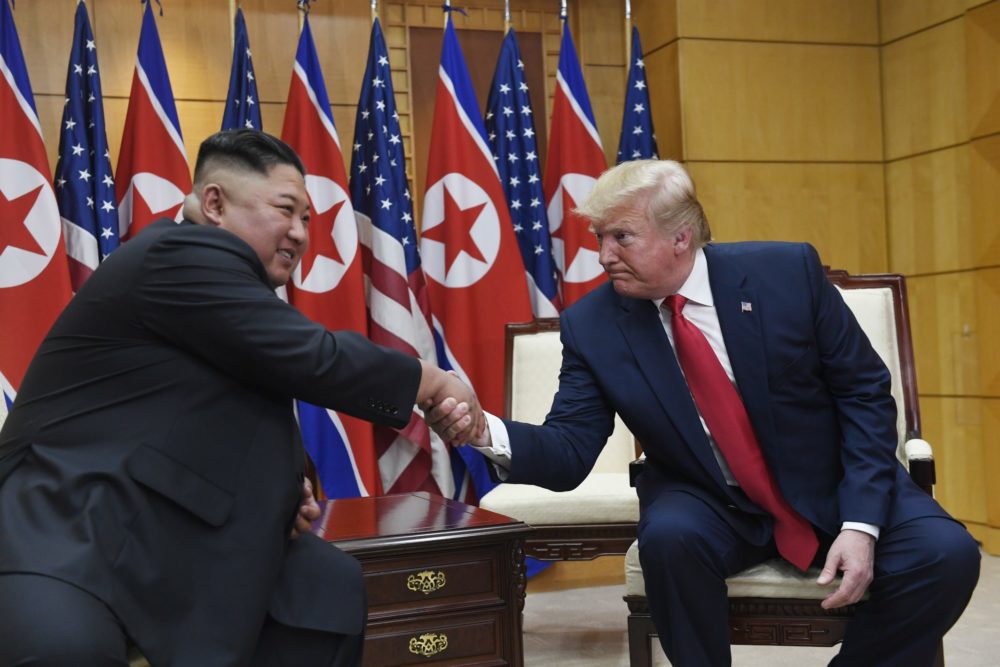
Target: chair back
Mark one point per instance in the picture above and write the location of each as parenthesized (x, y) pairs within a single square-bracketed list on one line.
[(878, 301), (533, 360)]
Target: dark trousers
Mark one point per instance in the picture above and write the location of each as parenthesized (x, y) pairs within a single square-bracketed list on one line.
[(925, 572), (47, 622)]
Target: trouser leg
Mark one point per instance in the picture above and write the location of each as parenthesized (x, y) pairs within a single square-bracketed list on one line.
[(687, 551), (50, 623), (284, 646), (925, 572)]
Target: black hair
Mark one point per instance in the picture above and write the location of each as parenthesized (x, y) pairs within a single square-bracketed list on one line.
[(250, 150)]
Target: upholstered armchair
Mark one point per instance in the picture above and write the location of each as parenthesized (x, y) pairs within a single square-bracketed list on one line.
[(772, 603), (597, 518)]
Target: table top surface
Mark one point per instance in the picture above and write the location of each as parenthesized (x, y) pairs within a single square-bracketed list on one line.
[(404, 514)]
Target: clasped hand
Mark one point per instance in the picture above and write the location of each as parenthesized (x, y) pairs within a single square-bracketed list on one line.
[(451, 408)]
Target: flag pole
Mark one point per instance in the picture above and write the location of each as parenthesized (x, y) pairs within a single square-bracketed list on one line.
[(506, 16), (374, 10), (447, 11), (232, 24), (628, 36), (562, 9)]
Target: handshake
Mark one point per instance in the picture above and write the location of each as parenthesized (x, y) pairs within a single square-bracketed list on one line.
[(451, 408)]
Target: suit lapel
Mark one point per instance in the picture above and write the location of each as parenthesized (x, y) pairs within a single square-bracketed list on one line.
[(643, 331), (739, 310)]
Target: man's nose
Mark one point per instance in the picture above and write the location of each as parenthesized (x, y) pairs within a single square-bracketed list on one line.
[(606, 254), (298, 231)]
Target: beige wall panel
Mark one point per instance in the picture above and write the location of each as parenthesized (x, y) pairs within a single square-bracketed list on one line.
[(946, 336), (273, 28), (45, 30), (988, 291), (924, 91), (199, 120), (756, 101), (985, 197), (837, 208), (927, 201), (982, 39), (836, 21), (903, 17), (606, 87), (601, 40), (954, 427), (656, 20), (341, 29), (663, 77), (272, 115), (116, 26), (114, 122)]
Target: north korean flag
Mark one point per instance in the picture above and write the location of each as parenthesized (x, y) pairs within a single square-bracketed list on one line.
[(34, 276), (470, 255), (152, 177), (328, 286), (574, 162)]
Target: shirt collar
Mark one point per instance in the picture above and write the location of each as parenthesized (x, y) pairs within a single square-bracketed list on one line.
[(697, 287)]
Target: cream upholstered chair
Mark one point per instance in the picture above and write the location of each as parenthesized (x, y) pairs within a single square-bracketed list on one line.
[(773, 603), (598, 517)]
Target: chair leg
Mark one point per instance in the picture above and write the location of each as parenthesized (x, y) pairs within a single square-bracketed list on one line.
[(640, 640)]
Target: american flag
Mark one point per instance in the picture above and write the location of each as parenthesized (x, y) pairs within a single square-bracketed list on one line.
[(242, 108), (399, 315), (34, 280), (511, 132), (638, 140), (575, 160), (85, 188), (152, 176)]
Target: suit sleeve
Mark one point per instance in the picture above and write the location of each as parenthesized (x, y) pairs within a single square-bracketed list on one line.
[(859, 384), (560, 454), (202, 292)]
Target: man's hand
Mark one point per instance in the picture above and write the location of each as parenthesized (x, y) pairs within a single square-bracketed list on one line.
[(853, 552), (308, 510), (450, 406)]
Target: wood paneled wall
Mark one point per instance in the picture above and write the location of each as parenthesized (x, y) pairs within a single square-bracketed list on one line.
[(941, 100), (870, 128)]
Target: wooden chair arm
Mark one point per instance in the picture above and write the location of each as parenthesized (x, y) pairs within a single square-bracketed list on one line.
[(920, 461)]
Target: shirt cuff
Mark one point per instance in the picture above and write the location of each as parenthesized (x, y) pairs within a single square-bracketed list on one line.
[(862, 527), (499, 451)]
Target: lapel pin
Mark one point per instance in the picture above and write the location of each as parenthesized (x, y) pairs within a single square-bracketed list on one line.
[(746, 307)]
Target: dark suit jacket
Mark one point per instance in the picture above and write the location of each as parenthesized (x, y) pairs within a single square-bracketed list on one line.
[(152, 456), (816, 392)]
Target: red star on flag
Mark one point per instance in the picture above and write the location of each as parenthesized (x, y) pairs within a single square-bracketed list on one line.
[(455, 232), (13, 212), (570, 232), (142, 215), (321, 238)]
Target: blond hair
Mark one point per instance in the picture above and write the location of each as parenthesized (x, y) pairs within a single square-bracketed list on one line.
[(664, 184)]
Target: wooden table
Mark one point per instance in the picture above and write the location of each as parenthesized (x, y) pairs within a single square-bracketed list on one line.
[(445, 580)]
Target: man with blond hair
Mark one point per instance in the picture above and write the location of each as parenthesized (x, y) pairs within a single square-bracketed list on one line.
[(767, 424)]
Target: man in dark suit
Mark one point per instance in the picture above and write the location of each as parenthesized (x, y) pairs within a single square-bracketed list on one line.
[(151, 468), (767, 424)]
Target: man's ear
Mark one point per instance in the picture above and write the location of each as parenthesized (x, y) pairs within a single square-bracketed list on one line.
[(682, 239), (213, 203)]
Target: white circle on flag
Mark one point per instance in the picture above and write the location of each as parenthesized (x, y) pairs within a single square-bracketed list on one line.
[(20, 265), (326, 272), (585, 265), (158, 193), (464, 270)]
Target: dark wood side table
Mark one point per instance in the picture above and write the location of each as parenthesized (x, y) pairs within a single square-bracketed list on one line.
[(445, 580)]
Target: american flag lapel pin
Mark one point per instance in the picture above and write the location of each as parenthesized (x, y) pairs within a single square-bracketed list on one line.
[(746, 307)]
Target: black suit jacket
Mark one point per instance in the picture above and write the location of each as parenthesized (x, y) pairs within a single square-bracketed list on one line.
[(152, 456)]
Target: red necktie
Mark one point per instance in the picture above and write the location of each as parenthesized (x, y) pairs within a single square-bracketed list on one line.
[(723, 411)]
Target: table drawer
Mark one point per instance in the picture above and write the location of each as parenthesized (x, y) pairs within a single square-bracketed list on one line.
[(424, 581), (439, 640)]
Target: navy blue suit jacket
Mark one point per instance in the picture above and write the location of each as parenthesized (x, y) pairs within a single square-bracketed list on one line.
[(816, 392)]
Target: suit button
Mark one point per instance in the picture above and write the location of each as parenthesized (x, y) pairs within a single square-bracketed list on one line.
[(395, 411)]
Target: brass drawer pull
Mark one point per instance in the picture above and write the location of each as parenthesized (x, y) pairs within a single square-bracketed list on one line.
[(429, 644), (426, 582)]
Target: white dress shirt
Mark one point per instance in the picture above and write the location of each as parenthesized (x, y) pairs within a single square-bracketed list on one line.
[(700, 311)]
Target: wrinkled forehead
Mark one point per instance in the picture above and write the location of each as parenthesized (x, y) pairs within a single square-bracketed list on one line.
[(631, 216)]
